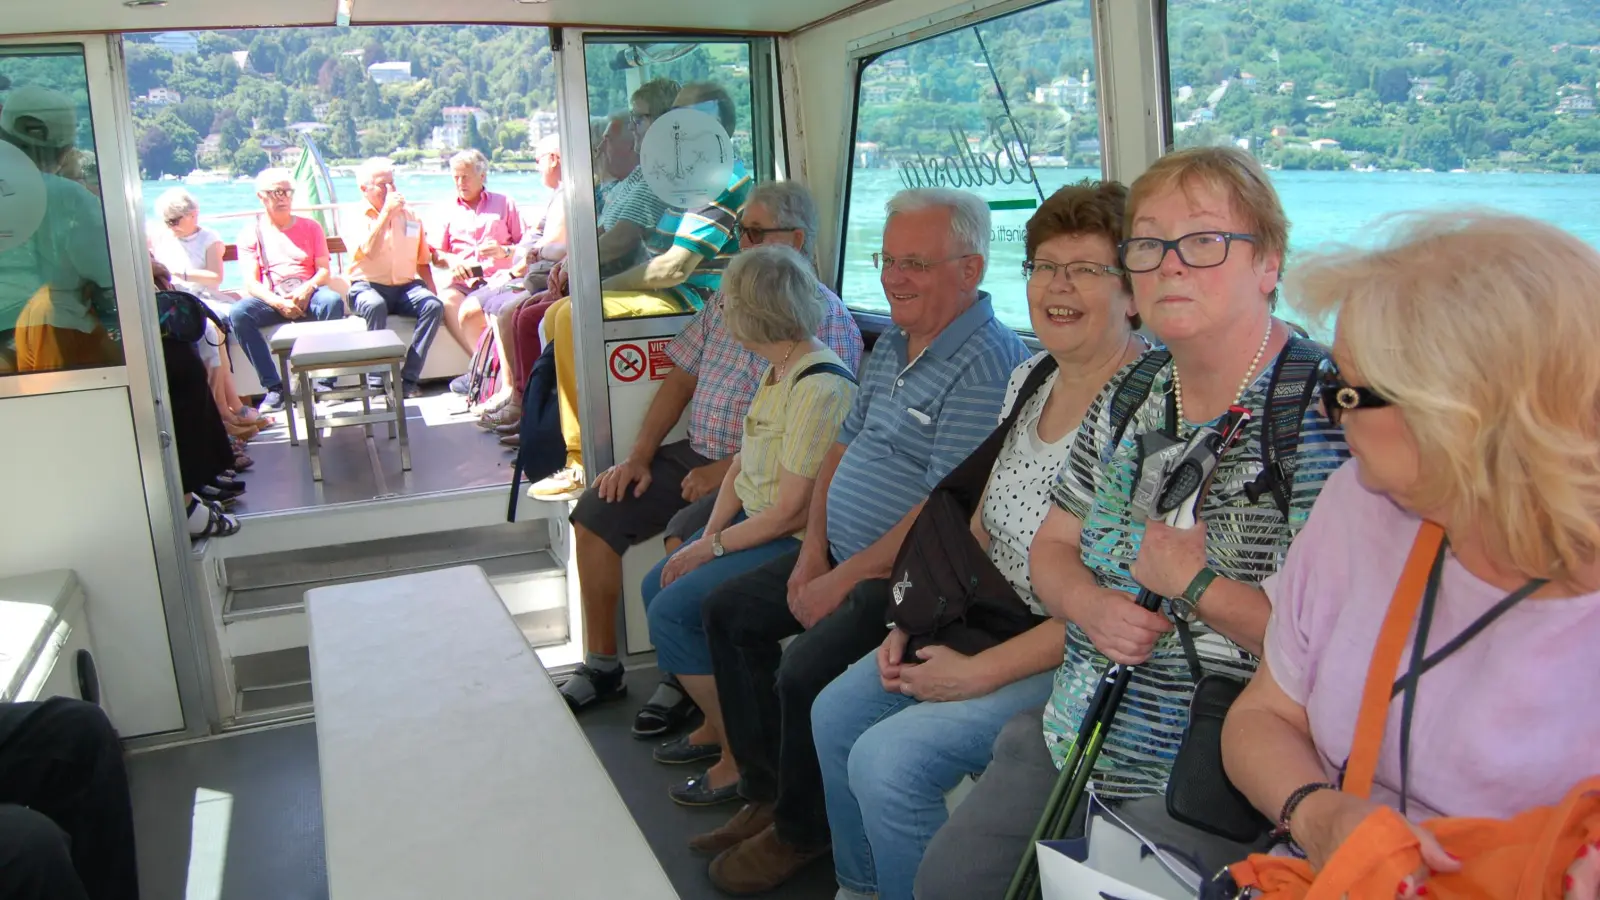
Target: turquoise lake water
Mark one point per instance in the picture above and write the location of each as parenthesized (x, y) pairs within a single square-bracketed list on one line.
[(1323, 207)]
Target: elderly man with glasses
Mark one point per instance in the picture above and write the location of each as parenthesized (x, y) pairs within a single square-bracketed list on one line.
[(285, 261)]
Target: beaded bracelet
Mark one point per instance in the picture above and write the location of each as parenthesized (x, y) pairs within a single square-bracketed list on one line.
[(1293, 803)]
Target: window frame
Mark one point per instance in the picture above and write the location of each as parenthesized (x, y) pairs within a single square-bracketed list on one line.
[(863, 51), (104, 107)]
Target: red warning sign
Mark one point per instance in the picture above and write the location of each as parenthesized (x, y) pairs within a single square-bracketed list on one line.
[(627, 362), (660, 363)]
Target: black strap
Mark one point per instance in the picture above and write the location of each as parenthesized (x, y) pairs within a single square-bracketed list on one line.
[(1289, 393), (967, 480), (826, 368), (1421, 662), (1131, 393)]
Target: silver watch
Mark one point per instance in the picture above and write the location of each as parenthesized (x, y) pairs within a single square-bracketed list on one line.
[(717, 550)]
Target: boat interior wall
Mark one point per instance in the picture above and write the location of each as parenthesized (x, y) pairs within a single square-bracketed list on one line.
[(764, 17), (75, 499)]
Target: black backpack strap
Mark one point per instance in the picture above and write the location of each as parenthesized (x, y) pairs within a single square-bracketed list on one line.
[(1132, 392), (1294, 383), (826, 368), (966, 481)]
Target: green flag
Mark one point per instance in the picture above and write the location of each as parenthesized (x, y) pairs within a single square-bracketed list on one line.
[(311, 186)]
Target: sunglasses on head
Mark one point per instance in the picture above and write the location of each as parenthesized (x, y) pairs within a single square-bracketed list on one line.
[(1339, 395)]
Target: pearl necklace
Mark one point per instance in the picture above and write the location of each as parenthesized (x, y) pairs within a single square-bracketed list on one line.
[(1244, 383), (782, 368)]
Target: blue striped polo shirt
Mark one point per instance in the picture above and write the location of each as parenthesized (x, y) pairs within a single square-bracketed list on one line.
[(913, 421)]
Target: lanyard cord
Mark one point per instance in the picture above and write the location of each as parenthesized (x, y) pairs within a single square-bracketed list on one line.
[(1420, 663)]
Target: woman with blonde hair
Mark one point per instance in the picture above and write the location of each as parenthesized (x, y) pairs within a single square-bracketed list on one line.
[(1465, 374)]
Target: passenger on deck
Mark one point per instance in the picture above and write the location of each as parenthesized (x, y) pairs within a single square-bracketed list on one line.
[(66, 819), (929, 394), (391, 269), (626, 207), (543, 246), (894, 738), (475, 243), (1466, 381), (286, 271), (774, 306), (1205, 247), (672, 486), (688, 250), (194, 256)]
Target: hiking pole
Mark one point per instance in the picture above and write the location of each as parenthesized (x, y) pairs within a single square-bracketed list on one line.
[(1178, 505)]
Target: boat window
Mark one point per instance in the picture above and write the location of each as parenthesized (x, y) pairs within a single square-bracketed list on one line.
[(680, 140), (1007, 108), (1359, 115), (58, 310)]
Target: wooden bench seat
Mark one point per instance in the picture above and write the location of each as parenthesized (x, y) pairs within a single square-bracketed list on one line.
[(230, 252), (450, 765)]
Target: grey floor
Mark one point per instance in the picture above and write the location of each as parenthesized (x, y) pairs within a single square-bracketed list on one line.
[(273, 848), (448, 452)]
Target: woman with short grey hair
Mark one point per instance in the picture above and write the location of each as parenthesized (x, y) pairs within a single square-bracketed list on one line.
[(194, 257), (774, 306)]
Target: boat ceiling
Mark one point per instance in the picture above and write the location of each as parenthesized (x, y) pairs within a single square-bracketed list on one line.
[(18, 17)]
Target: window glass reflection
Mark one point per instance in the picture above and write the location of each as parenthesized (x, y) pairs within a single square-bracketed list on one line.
[(57, 307)]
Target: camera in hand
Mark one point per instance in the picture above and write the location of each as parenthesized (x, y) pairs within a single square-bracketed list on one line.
[(477, 280)]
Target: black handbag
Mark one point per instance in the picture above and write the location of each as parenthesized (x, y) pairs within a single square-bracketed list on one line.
[(1199, 793), (945, 590), (182, 317)]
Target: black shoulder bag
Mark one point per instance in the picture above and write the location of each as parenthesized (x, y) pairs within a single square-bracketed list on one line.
[(946, 591)]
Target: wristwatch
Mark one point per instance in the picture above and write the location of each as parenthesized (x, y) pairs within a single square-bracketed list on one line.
[(1184, 608), (717, 550)]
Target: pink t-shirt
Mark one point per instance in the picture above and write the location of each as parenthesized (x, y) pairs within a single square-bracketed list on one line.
[(465, 227), (290, 253), (1509, 721)]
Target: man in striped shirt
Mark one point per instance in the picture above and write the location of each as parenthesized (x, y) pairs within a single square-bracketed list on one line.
[(930, 393)]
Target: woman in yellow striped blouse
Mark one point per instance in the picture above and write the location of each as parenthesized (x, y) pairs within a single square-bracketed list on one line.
[(773, 306)]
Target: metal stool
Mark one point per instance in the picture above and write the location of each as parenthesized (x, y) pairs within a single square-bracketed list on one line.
[(282, 341), (352, 353)]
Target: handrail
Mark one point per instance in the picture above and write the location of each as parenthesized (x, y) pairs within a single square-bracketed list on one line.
[(305, 209)]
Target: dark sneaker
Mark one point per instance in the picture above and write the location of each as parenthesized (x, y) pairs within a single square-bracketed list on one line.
[(461, 384), (697, 791), (588, 687), (761, 863), (679, 751), (412, 390), (324, 385), (272, 402)]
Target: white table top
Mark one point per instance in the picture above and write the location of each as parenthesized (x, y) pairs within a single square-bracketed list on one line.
[(30, 607), (451, 766)]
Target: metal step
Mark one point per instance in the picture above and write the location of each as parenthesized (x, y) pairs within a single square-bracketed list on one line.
[(517, 576), (273, 684), (346, 562)]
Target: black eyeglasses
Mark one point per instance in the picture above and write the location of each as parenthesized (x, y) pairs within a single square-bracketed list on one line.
[(1339, 395), (1080, 273), (279, 193), (759, 235), (1197, 250)]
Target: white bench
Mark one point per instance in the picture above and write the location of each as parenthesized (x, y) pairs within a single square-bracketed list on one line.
[(451, 766)]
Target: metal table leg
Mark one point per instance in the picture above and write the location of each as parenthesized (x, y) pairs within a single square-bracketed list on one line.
[(398, 404), (288, 395), (313, 440)]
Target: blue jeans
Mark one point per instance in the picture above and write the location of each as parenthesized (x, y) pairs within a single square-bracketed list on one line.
[(250, 315), (674, 611), (374, 302), (887, 762)]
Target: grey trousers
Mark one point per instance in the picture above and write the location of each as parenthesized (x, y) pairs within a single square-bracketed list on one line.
[(977, 851)]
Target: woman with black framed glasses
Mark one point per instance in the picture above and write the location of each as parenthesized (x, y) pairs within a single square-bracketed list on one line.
[(1203, 246), (1464, 373)]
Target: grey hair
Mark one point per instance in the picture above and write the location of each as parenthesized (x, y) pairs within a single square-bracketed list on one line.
[(473, 158), (969, 215), (372, 168), (174, 204), (274, 176), (770, 295), (791, 205)]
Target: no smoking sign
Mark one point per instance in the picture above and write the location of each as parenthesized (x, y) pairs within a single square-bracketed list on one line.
[(627, 363)]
